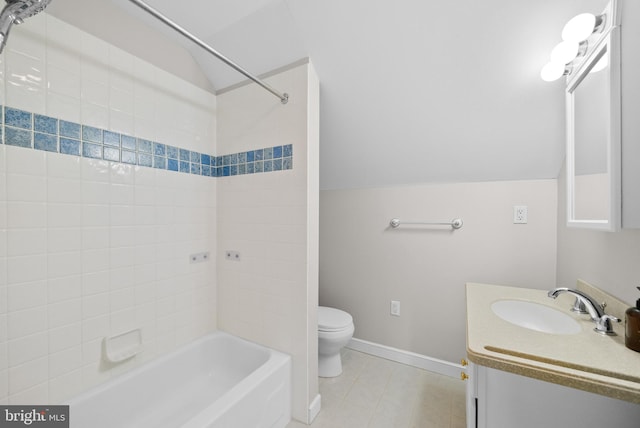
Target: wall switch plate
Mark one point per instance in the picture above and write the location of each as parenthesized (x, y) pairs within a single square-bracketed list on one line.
[(199, 257), (232, 255), (395, 308), (519, 214)]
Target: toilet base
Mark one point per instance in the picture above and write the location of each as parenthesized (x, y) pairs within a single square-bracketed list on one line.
[(329, 365)]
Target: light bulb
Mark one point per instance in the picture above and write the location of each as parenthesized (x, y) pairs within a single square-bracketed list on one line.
[(552, 71), (565, 52), (580, 27)]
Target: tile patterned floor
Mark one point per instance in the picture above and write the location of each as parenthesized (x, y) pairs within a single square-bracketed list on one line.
[(377, 393)]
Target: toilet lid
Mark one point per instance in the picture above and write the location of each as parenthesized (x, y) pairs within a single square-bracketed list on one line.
[(332, 319)]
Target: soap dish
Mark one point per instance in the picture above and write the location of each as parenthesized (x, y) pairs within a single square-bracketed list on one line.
[(122, 346)]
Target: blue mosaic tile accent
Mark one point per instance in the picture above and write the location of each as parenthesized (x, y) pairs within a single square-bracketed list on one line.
[(159, 149), (128, 157), (173, 152), (17, 137), (69, 146), (145, 160), (111, 139), (45, 124), (89, 133), (91, 150), (111, 154), (18, 118), (144, 146), (70, 130), (40, 132), (160, 162), (45, 142)]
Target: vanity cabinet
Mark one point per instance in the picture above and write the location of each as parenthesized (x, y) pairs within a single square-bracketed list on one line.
[(498, 399)]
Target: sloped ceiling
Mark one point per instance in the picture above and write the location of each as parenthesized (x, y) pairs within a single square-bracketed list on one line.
[(412, 91)]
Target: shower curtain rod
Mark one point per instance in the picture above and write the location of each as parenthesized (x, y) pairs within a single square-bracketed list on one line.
[(284, 97)]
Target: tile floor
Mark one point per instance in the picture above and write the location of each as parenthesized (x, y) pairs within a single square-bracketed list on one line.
[(376, 393)]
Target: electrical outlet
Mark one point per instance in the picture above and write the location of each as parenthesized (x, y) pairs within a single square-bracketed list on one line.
[(395, 308), (232, 255), (519, 214)]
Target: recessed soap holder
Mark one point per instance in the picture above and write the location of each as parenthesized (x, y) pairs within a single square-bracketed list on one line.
[(122, 346)]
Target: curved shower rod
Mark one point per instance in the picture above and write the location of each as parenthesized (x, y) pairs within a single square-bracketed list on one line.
[(284, 97)]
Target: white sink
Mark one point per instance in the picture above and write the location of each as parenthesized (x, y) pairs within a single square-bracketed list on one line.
[(535, 316)]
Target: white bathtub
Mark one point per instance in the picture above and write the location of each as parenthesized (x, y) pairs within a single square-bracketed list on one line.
[(217, 381)]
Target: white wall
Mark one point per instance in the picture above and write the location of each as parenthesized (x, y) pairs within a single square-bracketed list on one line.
[(364, 264), (270, 295), (89, 248)]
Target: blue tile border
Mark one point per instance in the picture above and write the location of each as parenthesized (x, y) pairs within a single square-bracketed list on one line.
[(39, 132)]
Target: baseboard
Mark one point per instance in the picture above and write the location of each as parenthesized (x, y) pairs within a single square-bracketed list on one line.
[(314, 408), (405, 357)]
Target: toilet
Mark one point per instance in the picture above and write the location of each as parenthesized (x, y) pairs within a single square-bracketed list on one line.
[(335, 330)]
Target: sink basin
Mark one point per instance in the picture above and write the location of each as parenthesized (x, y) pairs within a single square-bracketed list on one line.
[(535, 316)]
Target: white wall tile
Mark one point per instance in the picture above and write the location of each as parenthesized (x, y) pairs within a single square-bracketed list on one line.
[(27, 348), (95, 238), (66, 386), (63, 166), (64, 215), (64, 288), (26, 322), (95, 305), (65, 337), (26, 188), (62, 82), (21, 161), (64, 239), (64, 264), (64, 190), (95, 282), (26, 268), (26, 295), (36, 394), (64, 313), (65, 361), (95, 261), (23, 242), (28, 375)]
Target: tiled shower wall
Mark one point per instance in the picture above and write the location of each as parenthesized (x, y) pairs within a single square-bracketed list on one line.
[(90, 247)]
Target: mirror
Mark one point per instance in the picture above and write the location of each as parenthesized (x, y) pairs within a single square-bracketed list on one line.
[(593, 138)]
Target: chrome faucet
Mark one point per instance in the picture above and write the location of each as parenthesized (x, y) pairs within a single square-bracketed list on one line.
[(595, 311)]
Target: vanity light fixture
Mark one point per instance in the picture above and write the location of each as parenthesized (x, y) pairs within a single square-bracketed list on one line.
[(580, 27), (554, 70), (574, 44)]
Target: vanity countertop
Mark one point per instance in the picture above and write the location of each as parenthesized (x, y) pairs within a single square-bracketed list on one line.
[(587, 360)]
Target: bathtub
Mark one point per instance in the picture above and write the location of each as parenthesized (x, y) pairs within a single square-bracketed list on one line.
[(217, 381)]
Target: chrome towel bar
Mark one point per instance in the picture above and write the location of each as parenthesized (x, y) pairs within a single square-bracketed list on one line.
[(456, 223)]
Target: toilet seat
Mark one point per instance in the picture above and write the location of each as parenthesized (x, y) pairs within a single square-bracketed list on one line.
[(332, 319)]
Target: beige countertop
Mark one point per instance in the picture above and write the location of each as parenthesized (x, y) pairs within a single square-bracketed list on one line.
[(587, 360)]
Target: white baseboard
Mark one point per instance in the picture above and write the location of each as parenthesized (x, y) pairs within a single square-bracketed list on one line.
[(314, 408), (409, 358)]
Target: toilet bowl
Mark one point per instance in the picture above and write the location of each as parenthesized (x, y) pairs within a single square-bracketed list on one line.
[(335, 330)]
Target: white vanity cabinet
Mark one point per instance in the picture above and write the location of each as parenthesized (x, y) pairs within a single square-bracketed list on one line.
[(498, 399)]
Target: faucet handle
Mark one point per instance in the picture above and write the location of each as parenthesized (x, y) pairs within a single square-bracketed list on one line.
[(603, 325)]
